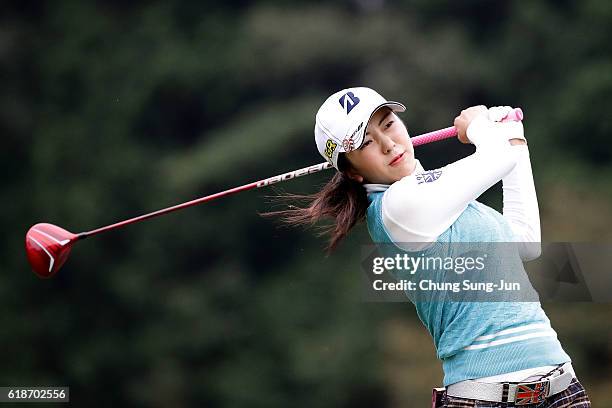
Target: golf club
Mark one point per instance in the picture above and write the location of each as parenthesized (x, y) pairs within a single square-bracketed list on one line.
[(48, 246)]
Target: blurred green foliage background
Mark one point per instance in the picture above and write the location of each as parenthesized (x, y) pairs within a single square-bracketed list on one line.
[(113, 109)]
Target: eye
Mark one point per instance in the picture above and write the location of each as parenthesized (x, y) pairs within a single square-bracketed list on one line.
[(388, 125)]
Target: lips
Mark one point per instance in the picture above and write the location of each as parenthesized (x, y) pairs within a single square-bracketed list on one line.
[(397, 159)]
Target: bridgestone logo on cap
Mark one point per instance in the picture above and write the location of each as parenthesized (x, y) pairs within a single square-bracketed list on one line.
[(348, 101)]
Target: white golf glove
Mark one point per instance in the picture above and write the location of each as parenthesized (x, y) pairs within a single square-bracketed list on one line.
[(489, 125), (497, 113)]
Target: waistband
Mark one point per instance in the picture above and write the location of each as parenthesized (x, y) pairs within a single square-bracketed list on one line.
[(521, 393)]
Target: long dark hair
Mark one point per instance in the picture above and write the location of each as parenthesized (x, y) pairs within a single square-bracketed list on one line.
[(342, 200)]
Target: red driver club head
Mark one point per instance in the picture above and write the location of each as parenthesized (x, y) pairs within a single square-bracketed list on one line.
[(47, 248)]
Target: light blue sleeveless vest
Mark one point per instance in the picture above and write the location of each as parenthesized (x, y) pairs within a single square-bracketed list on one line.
[(457, 325)]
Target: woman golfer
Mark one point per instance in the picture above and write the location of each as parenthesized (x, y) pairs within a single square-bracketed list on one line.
[(494, 354)]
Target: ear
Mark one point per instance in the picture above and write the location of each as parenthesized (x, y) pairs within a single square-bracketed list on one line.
[(353, 175)]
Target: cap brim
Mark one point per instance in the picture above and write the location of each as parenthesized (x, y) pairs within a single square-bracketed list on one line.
[(395, 107)]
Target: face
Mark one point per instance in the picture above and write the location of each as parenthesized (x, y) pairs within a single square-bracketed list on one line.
[(386, 154)]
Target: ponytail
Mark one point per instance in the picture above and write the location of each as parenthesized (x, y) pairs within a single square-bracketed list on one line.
[(342, 200)]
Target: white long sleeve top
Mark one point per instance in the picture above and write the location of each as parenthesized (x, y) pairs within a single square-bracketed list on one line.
[(421, 206)]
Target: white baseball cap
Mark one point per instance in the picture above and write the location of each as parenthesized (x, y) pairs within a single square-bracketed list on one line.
[(341, 121)]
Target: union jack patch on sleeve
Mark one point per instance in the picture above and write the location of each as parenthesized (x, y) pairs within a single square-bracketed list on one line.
[(428, 176)]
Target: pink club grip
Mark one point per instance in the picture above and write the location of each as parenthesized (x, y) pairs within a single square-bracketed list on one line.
[(515, 115)]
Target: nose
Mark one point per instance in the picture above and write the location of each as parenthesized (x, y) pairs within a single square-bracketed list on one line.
[(387, 144)]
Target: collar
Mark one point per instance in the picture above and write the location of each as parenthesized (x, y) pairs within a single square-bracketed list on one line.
[(377, 188)]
